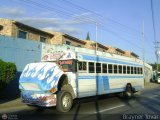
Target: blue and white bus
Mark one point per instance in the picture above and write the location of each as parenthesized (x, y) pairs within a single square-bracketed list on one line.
[(65, 74)]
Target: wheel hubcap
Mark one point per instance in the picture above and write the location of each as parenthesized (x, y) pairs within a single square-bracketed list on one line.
[(66, 101)]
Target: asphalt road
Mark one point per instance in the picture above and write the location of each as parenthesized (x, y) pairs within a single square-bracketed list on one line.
[(111, 107)]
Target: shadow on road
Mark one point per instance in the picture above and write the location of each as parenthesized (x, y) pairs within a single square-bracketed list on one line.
[(76, 112), (147, 102), (12, 91)]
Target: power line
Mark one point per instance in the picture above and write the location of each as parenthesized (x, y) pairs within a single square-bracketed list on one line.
[(82, 8), (41, 5)]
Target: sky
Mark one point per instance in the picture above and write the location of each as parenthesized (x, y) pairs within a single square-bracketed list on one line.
[(119, 22)]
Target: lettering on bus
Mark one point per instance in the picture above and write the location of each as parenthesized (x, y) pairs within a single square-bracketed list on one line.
[(68, 62), (52, 56)]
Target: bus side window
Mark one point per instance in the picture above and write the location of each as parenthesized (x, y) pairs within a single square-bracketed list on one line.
[(120, 69), (141, 71), (98, 67), (91, 67), (124, 69), (135, 70), (110, 68), (132, 70), (115, 69), (128, 69), (82, 66), (79, 65), (104, 68)]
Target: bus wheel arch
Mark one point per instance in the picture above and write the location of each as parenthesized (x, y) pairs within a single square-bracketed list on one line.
[(65, 95), (62, 81), (69, 89)]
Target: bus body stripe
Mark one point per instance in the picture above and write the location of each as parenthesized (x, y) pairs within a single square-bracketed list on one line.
[(100, 59), (110, 77)]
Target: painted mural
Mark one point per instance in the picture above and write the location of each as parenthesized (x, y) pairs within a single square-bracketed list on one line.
[(42, 75)]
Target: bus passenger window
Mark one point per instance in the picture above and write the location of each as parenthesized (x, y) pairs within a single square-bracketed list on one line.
[(124, 69), (135, 70), (104, 68), (128, 70), (132, 70), (98, 67), (115, 69), (79, 65), (141, 71), (120, 69), (110, 68), (91, 67), (82, 66)]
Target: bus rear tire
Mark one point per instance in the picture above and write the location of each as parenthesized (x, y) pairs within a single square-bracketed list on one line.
[(128, 91), (64, 101)]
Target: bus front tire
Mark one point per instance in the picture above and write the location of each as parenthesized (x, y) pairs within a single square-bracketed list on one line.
[(64, 101)]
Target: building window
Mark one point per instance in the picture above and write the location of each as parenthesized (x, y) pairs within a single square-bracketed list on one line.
[(91, 67), (104, 68), (98, 67), (68, 42), (43, 39), (1, 27), (22, 34)]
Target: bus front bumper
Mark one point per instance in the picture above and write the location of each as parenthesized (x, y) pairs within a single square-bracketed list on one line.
[(39, 99)]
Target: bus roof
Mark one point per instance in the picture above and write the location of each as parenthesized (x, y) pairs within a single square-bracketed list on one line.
[(65, 52)]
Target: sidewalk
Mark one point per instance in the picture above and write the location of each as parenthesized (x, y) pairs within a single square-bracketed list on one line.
[(13, 106), (15, 102), (151, 85)]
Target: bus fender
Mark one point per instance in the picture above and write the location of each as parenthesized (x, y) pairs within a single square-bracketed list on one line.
[(69, 89)]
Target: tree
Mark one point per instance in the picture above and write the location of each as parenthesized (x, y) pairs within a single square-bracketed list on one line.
[(88, 37), (154, 66), (7, 73)]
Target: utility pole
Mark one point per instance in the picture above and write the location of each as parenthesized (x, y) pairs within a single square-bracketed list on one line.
[(143, 51), (157, 52), (96, 37)]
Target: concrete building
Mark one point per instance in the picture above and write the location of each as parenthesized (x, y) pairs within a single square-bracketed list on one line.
[(19, 30), (92, 45), (16, 29), (130, 54), (61, 38)]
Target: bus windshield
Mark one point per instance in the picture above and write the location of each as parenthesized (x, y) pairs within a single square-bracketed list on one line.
[(68, 65)]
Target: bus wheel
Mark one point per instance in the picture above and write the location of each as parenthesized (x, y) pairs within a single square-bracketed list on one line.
[(128, 91), (64, 101)]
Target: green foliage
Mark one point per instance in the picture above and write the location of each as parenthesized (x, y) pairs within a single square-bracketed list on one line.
[(154, 66), (88, 37), (7, 73)]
